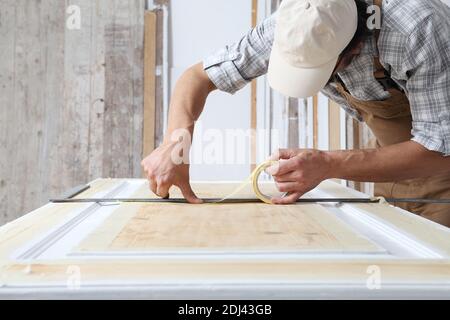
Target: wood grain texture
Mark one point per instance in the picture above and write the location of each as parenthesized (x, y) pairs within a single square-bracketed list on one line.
[(293, 123), (124, 36), (270, 272), (7, 84), (159, 103), (334, 122), (359, 136), (315, 123), (322, 272), (216, 227), (149, 83), (71, 100), (252, 227)]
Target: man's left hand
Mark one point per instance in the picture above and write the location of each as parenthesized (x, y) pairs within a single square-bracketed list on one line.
[(298, 171)]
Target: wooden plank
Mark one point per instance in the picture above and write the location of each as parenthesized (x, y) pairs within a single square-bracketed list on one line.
[(101, 13), (7, 83), (55, 82), (124, 89), (367, 141), (136, 21), (237, 228), (242, 227), (312, 215), (242, 245), (293, 123), (159, 103), (407, 222), (353, 143), (321, 274), (26, 111), (254, 102), (149, 83), (334, 122), (28, 227), (73, 137), (54, 150), (316, 122)]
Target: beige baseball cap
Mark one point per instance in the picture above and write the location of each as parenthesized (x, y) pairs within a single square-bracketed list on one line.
[(309, 37)]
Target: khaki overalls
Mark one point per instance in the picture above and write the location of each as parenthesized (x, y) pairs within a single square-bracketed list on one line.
[(391, 123)]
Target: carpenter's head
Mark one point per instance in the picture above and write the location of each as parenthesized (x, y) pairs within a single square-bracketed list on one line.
[(313, 40)]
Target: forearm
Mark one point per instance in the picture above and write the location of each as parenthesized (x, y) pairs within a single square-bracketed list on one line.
[(188, 99), (393, 163)]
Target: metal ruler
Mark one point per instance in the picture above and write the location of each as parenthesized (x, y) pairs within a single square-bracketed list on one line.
[(69, 198)]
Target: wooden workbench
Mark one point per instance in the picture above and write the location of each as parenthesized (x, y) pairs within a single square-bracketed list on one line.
[(166, 250)]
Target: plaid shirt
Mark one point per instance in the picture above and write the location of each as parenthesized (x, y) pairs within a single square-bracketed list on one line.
[(414, 44)]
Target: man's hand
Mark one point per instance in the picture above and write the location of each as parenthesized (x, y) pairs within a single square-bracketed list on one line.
[(187, 102), (162, 173), (298, 171)]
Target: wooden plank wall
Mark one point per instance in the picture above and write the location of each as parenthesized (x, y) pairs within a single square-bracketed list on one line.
[(359, 136), (149, 82), (71, 101), (159, 60)]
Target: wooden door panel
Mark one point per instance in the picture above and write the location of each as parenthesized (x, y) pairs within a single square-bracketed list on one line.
[(235, 227), (255, 250)]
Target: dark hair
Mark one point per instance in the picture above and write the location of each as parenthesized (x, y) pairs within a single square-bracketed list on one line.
[(363, 31)]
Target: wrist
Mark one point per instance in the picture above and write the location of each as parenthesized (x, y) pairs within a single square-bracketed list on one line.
[(176, 136), (333, 163)]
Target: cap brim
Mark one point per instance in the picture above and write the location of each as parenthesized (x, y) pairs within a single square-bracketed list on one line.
[(297, 82)]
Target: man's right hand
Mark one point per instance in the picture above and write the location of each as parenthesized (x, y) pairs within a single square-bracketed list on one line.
[(163, 173), (163, 166)]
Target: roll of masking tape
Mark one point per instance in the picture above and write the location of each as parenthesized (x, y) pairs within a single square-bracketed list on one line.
[(255, 177)]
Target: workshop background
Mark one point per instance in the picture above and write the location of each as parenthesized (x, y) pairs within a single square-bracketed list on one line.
[(88, 98)]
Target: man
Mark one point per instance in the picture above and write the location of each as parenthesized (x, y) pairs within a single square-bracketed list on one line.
[(396, 79)]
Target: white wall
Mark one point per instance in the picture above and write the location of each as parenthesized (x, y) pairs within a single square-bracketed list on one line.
[(198, 28)]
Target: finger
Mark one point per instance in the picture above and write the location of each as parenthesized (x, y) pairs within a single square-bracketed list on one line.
[(283, 154), (163, 190), (288, 186), (188, 194), (152, 184), (283, 167), (289, 199), (288, 177)]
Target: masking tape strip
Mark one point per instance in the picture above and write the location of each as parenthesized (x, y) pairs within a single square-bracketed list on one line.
[(253, 179)]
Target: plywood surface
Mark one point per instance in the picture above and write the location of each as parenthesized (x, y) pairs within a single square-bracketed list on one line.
[(213, 227), (230, 227)]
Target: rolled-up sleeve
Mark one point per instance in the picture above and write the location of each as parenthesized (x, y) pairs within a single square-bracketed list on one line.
[(427, 64), (232, 67)]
